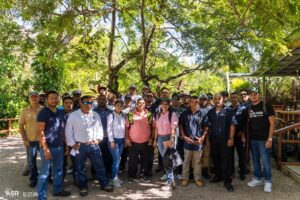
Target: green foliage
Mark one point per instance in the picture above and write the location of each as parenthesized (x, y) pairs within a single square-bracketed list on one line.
[(237, 84)]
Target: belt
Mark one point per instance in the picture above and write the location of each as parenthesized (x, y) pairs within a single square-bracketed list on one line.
[(87, 143)]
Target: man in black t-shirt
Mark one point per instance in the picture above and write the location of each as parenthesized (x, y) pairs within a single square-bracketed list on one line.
[(261, 128)]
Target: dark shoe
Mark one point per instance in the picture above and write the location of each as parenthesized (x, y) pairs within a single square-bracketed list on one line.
[(32, 184), (216, 179), (205, 173), (62, 194), (26, 172), (228, 187), (146, 179), (130, 180), (247, 171), (242, 177), (107, 188), (83, 192)]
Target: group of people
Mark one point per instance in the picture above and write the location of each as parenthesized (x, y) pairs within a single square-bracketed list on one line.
[(113, 130)]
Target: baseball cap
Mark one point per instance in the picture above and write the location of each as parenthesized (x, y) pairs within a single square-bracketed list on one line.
[(76, 92), (203, 96), (34, 93), (255, 89), (132, 86), (175, 97)]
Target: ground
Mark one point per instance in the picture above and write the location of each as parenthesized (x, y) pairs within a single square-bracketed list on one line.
[(15, 186)]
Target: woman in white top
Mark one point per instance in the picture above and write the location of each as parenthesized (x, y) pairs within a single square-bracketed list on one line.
[(117, 140)]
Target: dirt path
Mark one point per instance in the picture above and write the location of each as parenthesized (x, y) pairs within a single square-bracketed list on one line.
[(15, 186)]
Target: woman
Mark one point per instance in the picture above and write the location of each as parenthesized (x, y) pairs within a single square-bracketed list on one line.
[(117, 140), (166, 124)]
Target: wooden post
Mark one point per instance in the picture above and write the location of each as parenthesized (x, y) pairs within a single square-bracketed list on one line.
[(279, 151)]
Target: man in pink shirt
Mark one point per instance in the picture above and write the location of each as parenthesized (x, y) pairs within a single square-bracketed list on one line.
[(138, 138)]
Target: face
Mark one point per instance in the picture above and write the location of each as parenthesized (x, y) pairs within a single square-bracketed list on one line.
[(255, 97), (52, 100), (103, 91), (86, 105), (202, 102), (164, 94), (127, 101), (194, 104), (218, 101), (118, 107), (165, 105), (102, 100), (140, 105), (244, 96), (68, 105), (186, 99), (34, 99), (234, 98), (76, 98), (145, 90), (132, 90), (149, 97), (175, 102)]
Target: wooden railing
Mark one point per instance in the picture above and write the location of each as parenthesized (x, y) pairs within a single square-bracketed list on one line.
[(282, 141), (9, 128)]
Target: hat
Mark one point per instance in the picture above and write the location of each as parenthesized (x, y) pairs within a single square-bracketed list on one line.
[(34, 94), (132, 87), (185, 94), (145, 87), (127, 96), (255, 89), (175, 97), (209, 96), (224, 93), (203, 96), (77, 92)]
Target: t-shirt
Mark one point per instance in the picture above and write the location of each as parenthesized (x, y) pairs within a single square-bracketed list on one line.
[(54, 126), (259, 121)]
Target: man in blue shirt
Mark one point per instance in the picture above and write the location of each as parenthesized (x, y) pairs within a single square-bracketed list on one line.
[(106, 116), (222, 128), (193, 127), (51, 130)]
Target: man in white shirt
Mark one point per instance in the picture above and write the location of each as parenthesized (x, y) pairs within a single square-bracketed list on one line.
[(84, 132)]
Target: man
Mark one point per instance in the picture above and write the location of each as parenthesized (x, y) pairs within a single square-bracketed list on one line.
[(261, 118), (102, 90), (42, 99), (244, 97), (76, 99), (106, 116), (191, 125), (127, 104), (132, 91), (209, 103), (111, 99), (30, 136), (239, 138), (222, 129), (185, 99), (225, 98), (84, 133), (50, 128), (145, 90), (206, 152)]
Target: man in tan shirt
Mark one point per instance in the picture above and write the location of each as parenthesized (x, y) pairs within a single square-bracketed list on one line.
[(29, 133)]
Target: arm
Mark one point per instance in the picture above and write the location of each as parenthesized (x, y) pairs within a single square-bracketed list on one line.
[(183, 135), (271, 131), (231, 136), (110, 120), (70, 133), (127, 127), (22, 129), (41, 129)]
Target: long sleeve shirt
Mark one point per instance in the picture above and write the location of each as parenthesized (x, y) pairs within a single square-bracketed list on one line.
[(117, 127), (83, 127)]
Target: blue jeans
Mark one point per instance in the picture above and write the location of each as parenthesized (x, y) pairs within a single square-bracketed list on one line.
[(162, 150), (57, 158), (31, 155), (94, 153), (116, 155), (259, 152)]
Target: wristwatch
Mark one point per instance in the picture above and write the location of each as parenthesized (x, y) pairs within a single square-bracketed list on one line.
[(270, 139)]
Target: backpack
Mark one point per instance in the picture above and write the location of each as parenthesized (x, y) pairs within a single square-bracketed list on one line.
[(150, 118)]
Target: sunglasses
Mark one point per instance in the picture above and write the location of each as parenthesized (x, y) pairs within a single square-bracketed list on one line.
[(87, 103), (243, 94)]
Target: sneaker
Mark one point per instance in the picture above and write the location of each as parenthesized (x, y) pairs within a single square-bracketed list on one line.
[(179, 176), (254, 183), (32, 184), (199, 183), (268, 187), (62, 194), (116, 183), (163, 178), (120, 181), (146, 179), (107, 188), (83, 192), (184, 182)]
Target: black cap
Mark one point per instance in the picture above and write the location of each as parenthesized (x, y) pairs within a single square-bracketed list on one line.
[(76, 92)]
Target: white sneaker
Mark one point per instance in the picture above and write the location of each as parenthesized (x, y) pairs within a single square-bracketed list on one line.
[(163, 178), (268, 187), (120, 181), (179, 176), (254, 183), (116, 183)]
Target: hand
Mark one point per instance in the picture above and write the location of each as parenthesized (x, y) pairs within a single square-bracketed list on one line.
[(268, 144), (113, 145), (150, 142), (76, 146), (154, 144), (67, 151), (47, 154), (230, 142), (168, 144), (188, 140), (128, 143), (240, 134), (200, 141), (26, 143), (96, 142)]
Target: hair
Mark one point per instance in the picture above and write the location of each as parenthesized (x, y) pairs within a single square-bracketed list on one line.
[(140, 99), (149, 92), (218, 95), (165, 100), (86, 97), (233, 93), (66, 98), (194, 97), (244, 90), (119, 102), (164, 88), (51, 92)]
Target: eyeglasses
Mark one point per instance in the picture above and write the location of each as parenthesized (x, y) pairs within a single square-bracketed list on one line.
[(243, 94), (87, 103)]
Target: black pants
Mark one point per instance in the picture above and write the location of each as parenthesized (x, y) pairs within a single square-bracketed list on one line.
[(222, 159), (107, 158), (239, 146), (124, 157), (180, 150), (138, 153)]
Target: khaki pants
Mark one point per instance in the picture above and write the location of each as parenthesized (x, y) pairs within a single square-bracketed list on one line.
[(195, 157), (206, 154)]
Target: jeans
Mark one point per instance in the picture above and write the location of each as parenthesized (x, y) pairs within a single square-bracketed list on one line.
[(57, 158), (94, 153), (32, 154), (259, 152), (116, 155), (162, 150), (138, 153)]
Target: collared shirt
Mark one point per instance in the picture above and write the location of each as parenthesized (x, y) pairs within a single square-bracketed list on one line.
[(106, 116), (27, 119), (54, 126), (139, 130), (220, 122), (164, 125), (83, 127), (118, 127), (193, 125), (205, 109), (239, 116)]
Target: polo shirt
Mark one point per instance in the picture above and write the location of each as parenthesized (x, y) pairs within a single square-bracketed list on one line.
[(106, 116), (54, 126)]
